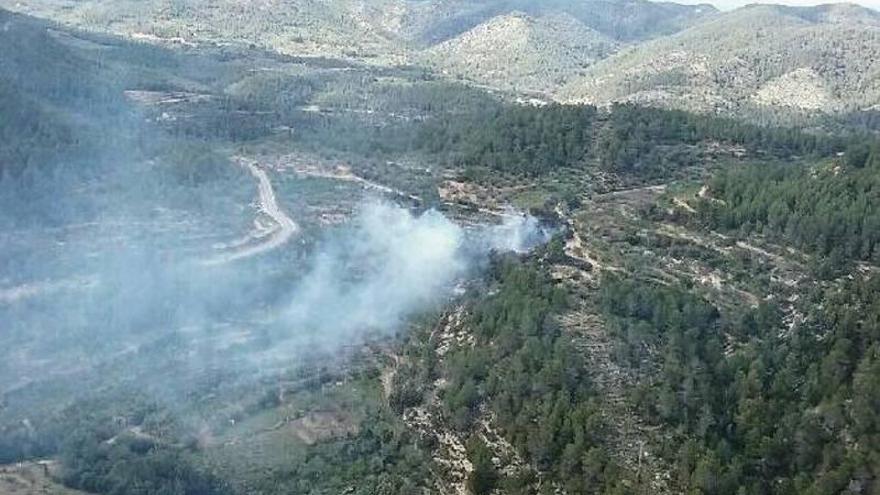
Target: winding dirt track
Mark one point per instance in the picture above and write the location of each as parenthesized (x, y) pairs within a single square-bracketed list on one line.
[(287, 227)]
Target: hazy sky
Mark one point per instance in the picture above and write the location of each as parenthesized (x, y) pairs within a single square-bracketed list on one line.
[(730, 4)]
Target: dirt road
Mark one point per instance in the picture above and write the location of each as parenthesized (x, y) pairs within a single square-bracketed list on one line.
[(268, 204)]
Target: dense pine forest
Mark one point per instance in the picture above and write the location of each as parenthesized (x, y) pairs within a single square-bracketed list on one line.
[(829, 208), (535, 141), (787, 412)]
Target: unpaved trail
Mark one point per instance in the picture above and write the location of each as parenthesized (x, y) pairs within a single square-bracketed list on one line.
[(341, 173), (268, 204)]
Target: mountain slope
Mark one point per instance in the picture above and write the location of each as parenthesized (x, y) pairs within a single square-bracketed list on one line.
[(517, 51), (381, 30), (300, 27), (760, 56), (625, 21)]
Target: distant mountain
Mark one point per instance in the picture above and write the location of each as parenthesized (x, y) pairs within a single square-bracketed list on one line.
[(758, 57), (434, 21), (520, 52), (333, 28), (626, 20), (380, 30), (518, 45)]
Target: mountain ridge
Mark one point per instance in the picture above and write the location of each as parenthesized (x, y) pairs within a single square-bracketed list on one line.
[(733, 62), (519, 51), (693, 57)]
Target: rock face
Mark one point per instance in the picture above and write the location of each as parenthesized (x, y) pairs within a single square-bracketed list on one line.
[(521, 52), (810, 59)]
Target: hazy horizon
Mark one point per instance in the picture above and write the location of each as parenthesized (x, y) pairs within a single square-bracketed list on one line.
[(733, 4)]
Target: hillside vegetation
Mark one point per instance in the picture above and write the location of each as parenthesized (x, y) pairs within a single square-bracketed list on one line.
[(519, 52), (535, 45), (752, 59), (703, 318), (761, 61)]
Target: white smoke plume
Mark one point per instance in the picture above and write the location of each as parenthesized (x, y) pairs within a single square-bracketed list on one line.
[(518, 233), (391, 264)]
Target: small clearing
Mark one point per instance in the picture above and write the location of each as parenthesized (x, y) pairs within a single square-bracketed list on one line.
[(323, 425)]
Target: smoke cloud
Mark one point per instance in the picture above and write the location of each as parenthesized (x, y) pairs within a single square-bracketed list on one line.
[(143, 297), (518, 233), (391, 263)]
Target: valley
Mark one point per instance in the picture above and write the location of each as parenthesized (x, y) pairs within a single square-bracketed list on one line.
[(415, 247)]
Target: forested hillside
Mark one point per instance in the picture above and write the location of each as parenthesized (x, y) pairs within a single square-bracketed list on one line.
[(522, 53), (755, 60), (197, 300), (625, 139), (768, 63), (785, 412), (829, 210)]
